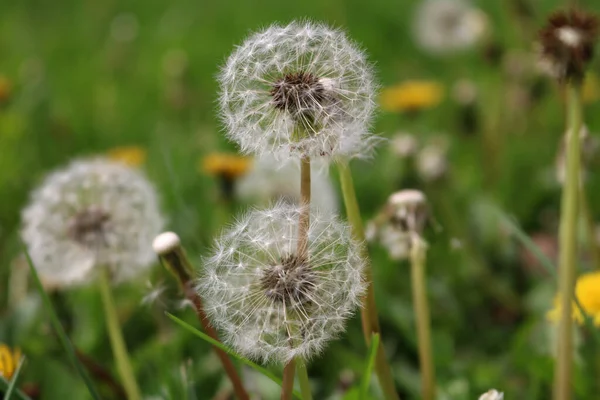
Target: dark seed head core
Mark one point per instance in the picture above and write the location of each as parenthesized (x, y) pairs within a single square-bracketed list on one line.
[(88, 226), (299, 93), (290, 282)]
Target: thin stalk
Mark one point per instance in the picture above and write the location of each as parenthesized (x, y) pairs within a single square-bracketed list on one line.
[(369, 317), (287, 386), (304, 219), (421, 309), (568, 245), (302, 375), (116, 338), (178, 263)]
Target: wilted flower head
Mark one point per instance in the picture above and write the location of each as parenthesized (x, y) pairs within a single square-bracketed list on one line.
[(91, 214), (271, 303), (566, 43), (492, 394), (270, 180), (303, 89), (401, 221), (445, 26)]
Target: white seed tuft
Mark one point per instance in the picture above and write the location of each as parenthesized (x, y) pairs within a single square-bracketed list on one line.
[(165, 243), (272, 305), (492, 394), (298, 90), (90, 214)]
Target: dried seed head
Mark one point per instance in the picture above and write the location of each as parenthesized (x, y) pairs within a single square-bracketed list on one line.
[(271, 304), (566, 43), (92, 213), (298, 90)]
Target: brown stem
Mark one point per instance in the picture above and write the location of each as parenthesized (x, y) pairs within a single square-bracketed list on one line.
[(304, 219), (178, 264), (287, 386), (101, 374)]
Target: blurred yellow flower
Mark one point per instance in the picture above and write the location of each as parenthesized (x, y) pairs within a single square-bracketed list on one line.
[(411, 96), (587, 290), (134, 156), (9, 360), (591, 88), (5, 89), (225, 165)]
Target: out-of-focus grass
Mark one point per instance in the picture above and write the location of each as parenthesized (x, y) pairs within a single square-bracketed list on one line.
[(79, 88)]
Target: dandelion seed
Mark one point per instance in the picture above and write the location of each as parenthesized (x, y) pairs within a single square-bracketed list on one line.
[(272, 304), (298, 90), (269, 181), (91, 214), (446, 26)]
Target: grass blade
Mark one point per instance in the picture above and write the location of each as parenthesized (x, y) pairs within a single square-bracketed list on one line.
[(4, 385), (227, 350), (13, 383), (62, 336), (366, 379), (522, 237)]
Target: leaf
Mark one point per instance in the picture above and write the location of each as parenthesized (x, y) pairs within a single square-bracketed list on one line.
[(366, 379), (5, 385), (227, 350), (62, 336), (13, 382)]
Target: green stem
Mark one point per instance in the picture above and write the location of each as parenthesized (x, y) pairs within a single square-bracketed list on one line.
[(568, 245), (302, 375), (421, 309), (287, 386), (116, 339), (370, 319)]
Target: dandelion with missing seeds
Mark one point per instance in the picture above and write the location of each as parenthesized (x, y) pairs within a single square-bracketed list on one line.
[(272, 303), (298, 90)]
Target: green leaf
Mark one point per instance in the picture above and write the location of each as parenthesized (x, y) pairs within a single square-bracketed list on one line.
[(62, 336), (366, 379), (227, 350)]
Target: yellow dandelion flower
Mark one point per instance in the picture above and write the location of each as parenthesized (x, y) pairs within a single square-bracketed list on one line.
[(9, 360), (411, 96), (5, 89), (225, 165), (587, 290), (134, 156), (591, 88)]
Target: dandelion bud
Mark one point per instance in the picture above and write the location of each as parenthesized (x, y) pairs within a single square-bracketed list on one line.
[(92, 214), (492, 394), (272, 303), (298, 90), (566, 44)]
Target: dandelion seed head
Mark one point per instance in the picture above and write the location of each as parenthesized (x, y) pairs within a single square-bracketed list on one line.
[(492, 394), (92, 213), (271, 303), (302, 89)]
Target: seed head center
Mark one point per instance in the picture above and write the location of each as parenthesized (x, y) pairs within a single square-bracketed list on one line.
[(298, 92), (290, 282), (88, 226)]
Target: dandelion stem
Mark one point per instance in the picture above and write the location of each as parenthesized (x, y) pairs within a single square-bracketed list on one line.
[(304, 219), (116, 338), (568, 244), (178, 263), (421, 309), (287, 387), (303, 379), (370, 319)]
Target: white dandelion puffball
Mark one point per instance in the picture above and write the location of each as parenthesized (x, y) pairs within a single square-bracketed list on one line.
[(298, 90), (91, 214), (272, 304), (492, 394), (445, 26), (270, 180)]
